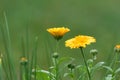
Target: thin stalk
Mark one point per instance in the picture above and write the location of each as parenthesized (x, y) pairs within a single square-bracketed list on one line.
[(72, 76), (20, 67), (23, 72), (23, 47), (50, 76), (85, 64), (56, 68), (31, 66), (112, 63), (24, 67), (27, 70), (57, 45), (55, 58), (115, 64), (27, 43), (34, 58), (35, 52), (7, 42), (5, 64), (116, 59), (0, 68), (7, 49)]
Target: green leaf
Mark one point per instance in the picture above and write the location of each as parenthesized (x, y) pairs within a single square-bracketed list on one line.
[(65, 59), (108, 68), (43, 75), (118, 70), (79, 66), (109, 77), (98, 65), (90, 61), (66, 74)]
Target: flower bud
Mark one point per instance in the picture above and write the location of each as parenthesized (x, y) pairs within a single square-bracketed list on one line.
[(94, 52), (71, 66), (55, 55), (23, 61), (117, 48)]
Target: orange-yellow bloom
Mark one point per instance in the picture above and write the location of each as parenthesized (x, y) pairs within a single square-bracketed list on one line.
[(79, 41), (117, 48), (58, 33)]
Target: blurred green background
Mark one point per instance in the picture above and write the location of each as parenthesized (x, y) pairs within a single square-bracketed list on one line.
[(98, 18)]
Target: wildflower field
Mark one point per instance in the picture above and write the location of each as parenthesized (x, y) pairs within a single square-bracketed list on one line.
[(59, 40)]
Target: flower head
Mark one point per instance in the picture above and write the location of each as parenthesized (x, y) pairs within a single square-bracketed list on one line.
[(117, 48), (79, 41), (23, 60), (71, 66), (94, 52), (58, 33)]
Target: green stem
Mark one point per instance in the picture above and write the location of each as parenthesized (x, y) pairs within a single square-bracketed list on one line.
[(72, 76), (116, 59), (115, 64), (112, 63), (57, 45), (85, 64), (0, 68), (56, 69), (56, 61), (7, 42), (34, 59)]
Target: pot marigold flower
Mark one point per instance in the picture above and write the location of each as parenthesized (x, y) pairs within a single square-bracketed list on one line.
[(79, 41), (58, 33), (117, 48)]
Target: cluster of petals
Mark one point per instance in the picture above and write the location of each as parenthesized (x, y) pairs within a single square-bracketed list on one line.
[(58, 32), (79, 41), (117, 46)]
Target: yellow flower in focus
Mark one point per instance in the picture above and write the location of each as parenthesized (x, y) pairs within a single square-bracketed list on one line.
[(117, 48), (58, 33), (79, 41)]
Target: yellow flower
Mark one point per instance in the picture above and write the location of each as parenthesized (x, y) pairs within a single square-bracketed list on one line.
[(58, 33), (117, 48), (79, 41)]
